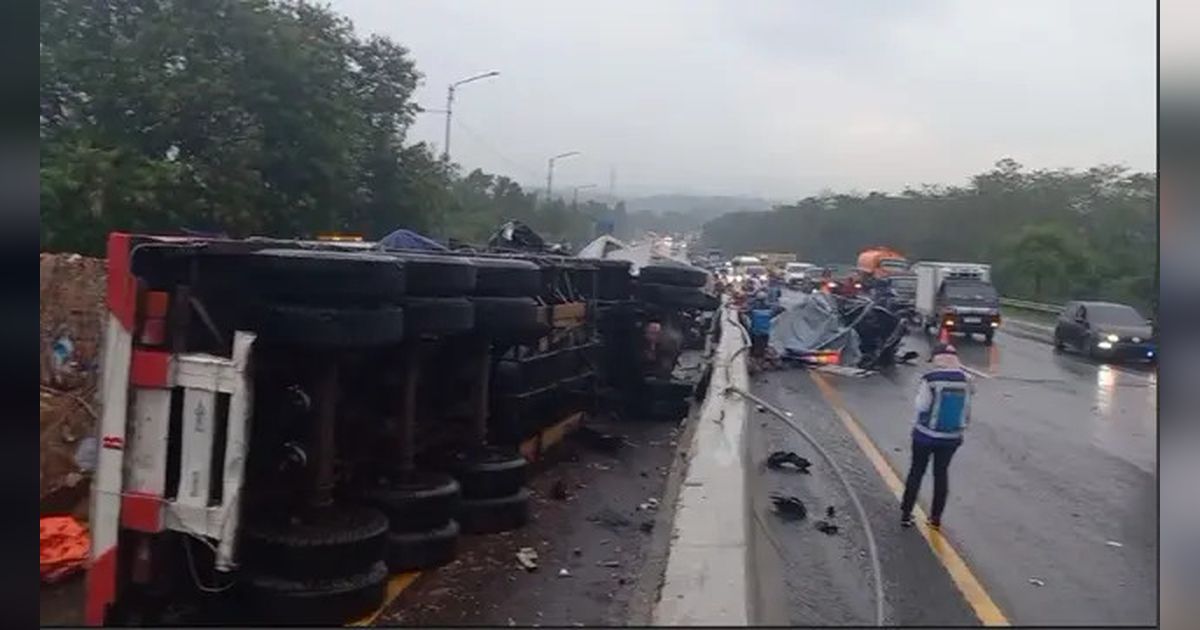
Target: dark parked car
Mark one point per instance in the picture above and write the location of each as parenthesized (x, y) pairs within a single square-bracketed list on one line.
[(1106, 330)]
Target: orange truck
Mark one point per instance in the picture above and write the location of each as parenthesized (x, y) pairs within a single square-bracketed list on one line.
[(880, 261)]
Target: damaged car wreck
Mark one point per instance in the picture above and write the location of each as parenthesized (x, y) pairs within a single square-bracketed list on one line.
[(863, 331)]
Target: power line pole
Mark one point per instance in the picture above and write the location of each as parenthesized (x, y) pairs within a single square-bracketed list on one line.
[(449, 111), (550, 171), (575, 195)]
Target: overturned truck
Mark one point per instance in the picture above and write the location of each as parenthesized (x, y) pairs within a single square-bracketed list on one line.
[(288, 423)]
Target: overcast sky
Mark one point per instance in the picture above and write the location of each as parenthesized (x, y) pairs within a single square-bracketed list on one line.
[(779, 98)]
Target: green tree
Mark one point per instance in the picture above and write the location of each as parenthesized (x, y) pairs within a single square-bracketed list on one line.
[(1104, 217)]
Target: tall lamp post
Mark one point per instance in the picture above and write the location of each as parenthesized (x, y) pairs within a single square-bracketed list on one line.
[(450, 106), (550, 171)]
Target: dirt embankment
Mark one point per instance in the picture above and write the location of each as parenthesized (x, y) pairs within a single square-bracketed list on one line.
[(72, 331)]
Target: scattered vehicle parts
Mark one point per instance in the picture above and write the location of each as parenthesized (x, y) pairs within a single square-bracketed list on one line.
[(789, 507), (527, 558), (787, 460), (826, 528)]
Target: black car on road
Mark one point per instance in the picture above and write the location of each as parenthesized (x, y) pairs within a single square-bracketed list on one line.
[(1106, 330)]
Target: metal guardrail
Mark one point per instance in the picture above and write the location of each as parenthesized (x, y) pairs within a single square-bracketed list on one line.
[(1028, 305)]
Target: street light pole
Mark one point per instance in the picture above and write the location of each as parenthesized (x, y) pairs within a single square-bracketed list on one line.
[(550, 171), (450, 107), (575, 194)]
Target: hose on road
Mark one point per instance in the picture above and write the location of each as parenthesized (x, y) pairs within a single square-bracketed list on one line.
[(872, 550)]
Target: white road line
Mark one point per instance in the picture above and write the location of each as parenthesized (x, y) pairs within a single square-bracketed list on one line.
[(978, 373)]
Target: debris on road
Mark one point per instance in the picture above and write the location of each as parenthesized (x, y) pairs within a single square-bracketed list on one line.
[(527, 557), (1037, 581), (789, 507), (830, 512), (827, 528), (577, 552), (609, 563), (64, 547), (562, 573), (761, 409), (647, 526), (558, 491), (788, 460), (1113, 543)]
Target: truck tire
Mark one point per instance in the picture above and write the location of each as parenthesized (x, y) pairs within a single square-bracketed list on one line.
[(508, 315), (329, 328), (674, 274), (614, 279), (333, 601), (328, 277), (438, 275), (676, 296), (489, 472), (324, 542), (412, 551), (438, 315), (414, 502), (490, 516), (507, 277)]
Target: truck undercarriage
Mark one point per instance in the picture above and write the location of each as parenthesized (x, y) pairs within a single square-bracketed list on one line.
[(287, 423)]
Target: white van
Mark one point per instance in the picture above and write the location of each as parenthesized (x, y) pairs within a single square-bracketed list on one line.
[(741, 264)]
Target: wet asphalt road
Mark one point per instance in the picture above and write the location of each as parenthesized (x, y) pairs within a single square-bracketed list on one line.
[(1059, 461)]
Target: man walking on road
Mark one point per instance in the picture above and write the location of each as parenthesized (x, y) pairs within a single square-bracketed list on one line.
[(943, 412)]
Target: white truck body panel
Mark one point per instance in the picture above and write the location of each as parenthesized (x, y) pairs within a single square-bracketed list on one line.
[(930, 276)]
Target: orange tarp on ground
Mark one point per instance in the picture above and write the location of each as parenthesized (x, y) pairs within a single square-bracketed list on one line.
[(64, 547)]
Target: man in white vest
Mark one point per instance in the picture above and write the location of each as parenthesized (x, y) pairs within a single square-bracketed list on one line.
[(943, 406)]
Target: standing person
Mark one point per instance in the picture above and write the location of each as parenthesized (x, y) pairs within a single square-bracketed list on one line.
[(760, 314), (943, 412)]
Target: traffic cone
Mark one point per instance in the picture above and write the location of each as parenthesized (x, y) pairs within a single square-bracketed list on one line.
[(944, 335)]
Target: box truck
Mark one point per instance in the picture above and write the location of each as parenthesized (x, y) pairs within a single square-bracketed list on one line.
[(957, 297)]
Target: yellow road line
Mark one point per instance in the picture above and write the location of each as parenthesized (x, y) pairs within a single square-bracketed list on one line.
[(396, 585), (988, 612)]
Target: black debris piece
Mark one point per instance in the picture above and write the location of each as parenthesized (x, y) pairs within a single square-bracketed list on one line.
[(558, 491), (647, 526), (788, 460), (830, 512), (789, 507), (826, 528)]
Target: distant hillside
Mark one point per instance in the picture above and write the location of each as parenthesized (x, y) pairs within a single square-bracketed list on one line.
[(688, 204), (685, 213)]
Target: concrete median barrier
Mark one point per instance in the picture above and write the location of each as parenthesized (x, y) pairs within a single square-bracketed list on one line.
[(1029, 330), (707, 578)]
